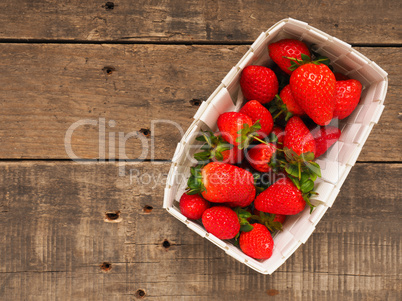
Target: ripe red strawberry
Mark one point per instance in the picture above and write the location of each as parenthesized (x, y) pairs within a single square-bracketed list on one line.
[(216, 149), (223, 183), (259, 83), (278, 52), (282, 197), (298, 137), (231, 123), (256, 111), (221, 221), (257, 243), (291, 105), (347, 96), (325, 137), (193, 206), (313, 87), (259, 156)]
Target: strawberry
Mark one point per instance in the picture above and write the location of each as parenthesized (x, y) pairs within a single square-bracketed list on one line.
[(217, 149), (298, 137), (347, 96), (291, 105), (324, 137), (260, 156), (257, 243), (282, 197), (237, 128), (193, 206), (222, 183), (285, 104), (259, 83), (280, 52), (299, 149), (257, 112), (221, 221), (313, 87)]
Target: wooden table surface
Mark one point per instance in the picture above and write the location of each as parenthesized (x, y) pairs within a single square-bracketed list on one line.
[(104, 72)]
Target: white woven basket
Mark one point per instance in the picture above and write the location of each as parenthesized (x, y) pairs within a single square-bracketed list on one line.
[(335, 165)]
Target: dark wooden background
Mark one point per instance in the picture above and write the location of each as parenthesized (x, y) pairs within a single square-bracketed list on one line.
[(137, 61)]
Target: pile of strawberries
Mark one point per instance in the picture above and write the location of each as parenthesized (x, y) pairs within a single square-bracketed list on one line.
[(259, 167)]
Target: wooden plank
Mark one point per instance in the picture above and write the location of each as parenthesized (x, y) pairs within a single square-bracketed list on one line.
[(54, 240), (196, 21), (48, 88)]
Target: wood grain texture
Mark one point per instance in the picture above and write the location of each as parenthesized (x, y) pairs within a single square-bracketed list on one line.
[(47, 88), (54, 240), (196, 20)]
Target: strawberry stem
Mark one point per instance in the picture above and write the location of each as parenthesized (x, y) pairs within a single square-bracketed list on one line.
[(208, 140), (294, 59), (277, 115), (259, 140)]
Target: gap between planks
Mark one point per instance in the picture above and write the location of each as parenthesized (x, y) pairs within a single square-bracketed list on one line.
[(117, 161), (186, 43)]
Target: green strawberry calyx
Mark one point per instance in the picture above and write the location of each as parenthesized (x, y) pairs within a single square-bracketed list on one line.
[(305, 59), (302, 171), (212, 148), (244, 217), (278, 108), (273, 138), (194, 182), (267, 219), (247, 134)]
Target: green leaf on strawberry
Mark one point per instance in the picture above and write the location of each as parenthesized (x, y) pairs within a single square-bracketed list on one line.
[(307, 186), (302, 171), (215, 147), (194, 183), (314, 168), (272, 137), (309, 156), (202, 156), (246, 228), (268, 220), (295, 181), (243, 215), (247, 134), (292, 170), (278, 107)]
